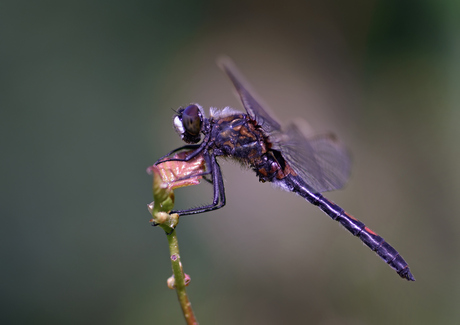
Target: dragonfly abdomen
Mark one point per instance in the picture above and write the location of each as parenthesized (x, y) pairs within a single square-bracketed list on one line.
[(353, 225)]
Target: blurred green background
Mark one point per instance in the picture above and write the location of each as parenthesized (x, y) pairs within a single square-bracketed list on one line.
[(86, 91)]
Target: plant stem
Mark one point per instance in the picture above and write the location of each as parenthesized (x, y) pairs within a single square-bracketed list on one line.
[(160, 209), (179, 279)]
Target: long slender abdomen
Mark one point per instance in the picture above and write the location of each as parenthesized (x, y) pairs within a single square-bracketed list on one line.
[(356, 227)]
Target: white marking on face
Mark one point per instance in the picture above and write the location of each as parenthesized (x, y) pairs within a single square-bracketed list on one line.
[(178, 126)]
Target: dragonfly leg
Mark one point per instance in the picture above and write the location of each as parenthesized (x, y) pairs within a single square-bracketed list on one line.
[(203, 175), (186, 147), (218, 189)]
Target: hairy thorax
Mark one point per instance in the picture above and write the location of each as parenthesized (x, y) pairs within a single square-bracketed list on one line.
[(238, 137)]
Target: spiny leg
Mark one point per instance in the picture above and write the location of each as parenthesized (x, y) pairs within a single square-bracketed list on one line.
[(186, 147), (218, 189)]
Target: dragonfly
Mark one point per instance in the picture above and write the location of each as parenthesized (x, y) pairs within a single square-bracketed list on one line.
[(285, 157)]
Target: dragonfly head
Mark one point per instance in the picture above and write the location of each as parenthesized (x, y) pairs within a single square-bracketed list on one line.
[(188, 123)]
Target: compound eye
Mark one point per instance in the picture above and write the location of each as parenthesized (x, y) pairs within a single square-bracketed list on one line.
[(192, 120)]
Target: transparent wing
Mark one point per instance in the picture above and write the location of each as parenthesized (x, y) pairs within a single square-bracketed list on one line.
[(321, 161), (251, 104)]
